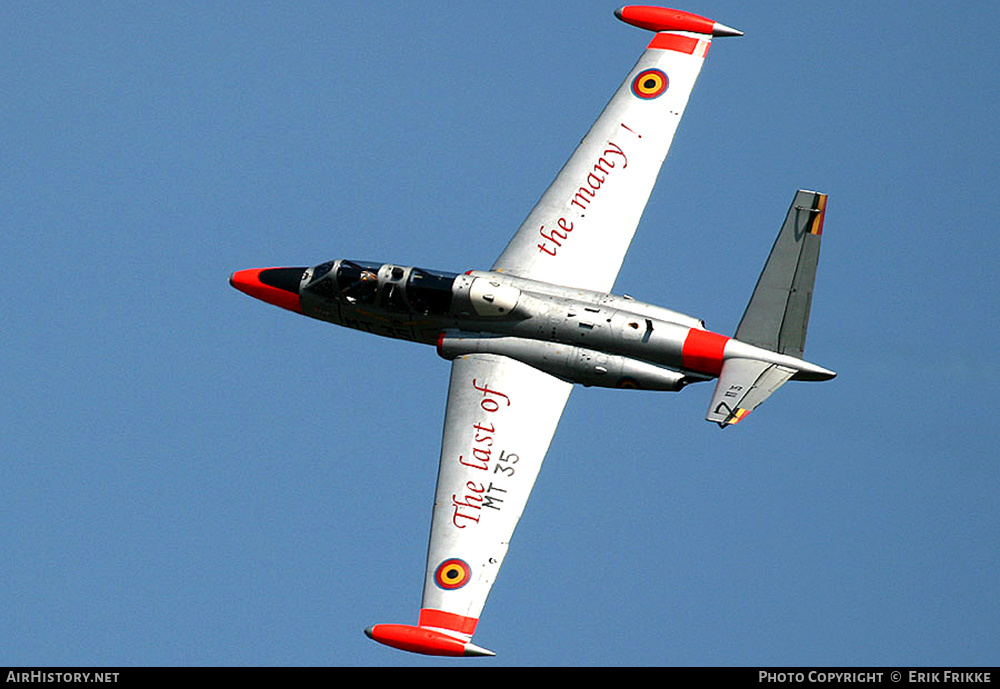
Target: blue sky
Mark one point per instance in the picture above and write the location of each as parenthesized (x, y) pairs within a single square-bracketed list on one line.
[(191, 477)]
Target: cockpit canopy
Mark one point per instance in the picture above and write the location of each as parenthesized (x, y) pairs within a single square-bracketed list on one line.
[(389, 286)]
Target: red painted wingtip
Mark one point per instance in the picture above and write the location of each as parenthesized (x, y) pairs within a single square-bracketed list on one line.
[(423, 640), (654, 18), (249, 282)]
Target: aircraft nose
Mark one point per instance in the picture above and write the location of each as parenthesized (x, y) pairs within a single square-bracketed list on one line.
[(278, 286)]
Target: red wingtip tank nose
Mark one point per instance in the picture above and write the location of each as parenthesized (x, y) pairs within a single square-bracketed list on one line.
[(278, 286)]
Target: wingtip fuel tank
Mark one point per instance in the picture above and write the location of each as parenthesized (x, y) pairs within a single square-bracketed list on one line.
[(665, 19), (424, 640)]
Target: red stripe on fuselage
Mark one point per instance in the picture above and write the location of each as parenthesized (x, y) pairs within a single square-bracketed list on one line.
[(703, 351)]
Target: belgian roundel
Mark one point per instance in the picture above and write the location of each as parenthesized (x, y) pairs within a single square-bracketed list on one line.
[(649, 84), (452, 574)]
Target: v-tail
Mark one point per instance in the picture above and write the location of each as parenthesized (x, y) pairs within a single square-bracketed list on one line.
[(767, 349)]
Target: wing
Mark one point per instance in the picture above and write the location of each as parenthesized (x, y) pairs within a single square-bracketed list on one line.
[(578, 233), (500, 419)]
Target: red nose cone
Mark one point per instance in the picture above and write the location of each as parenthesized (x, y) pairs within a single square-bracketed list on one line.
[(278, 286)]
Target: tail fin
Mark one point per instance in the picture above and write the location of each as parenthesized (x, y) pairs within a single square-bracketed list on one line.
[(775, 321), (778, 313)]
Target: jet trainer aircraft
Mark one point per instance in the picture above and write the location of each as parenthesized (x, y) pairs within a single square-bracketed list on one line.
[(541, 319)]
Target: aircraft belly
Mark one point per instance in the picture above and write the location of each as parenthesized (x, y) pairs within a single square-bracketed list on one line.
[(600, 329), (536, 317), (376, 321)]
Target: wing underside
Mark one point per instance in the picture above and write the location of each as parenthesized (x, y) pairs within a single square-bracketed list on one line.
[(500, 419), (579, 231)]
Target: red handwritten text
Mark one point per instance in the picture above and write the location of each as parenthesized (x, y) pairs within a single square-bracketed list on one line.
[(467, 507), (613, 158)]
